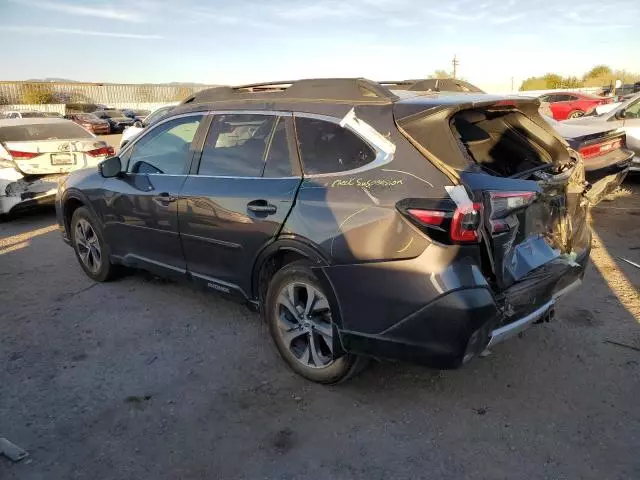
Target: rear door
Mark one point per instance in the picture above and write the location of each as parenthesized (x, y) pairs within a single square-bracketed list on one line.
[(237, 197)]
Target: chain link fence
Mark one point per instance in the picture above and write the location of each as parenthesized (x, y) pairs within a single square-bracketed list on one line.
[(102, 93)]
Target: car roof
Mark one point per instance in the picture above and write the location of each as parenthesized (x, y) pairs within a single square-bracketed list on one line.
[(32, 121), (322, 96)]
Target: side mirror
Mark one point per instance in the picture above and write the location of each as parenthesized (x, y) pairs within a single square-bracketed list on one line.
[(138, 124), (111, 167), (620, 114)]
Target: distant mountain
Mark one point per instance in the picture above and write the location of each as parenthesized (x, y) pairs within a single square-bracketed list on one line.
[(51, 79)]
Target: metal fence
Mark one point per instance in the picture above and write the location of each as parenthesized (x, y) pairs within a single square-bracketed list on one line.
[(104, 93)]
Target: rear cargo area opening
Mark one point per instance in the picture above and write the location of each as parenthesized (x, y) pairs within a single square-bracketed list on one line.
[(504, 142)]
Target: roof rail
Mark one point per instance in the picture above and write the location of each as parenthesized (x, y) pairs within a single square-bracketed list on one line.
[(358, 90)]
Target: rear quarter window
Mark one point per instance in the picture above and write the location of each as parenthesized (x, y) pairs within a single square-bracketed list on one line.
[(326, 147)]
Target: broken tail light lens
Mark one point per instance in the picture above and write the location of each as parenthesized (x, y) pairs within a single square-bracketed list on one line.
[(465, 225), (591, 151), (503, 203), (17, 155), (103, 151)]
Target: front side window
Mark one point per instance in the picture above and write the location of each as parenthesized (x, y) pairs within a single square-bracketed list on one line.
[(165, 149), (326, 147), (236, 145)]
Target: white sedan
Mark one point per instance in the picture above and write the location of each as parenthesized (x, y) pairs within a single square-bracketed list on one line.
[(131, 132), (36, 152), (625, 115)]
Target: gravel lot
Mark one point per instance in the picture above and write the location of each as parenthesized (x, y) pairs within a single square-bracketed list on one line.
[(147, 379)]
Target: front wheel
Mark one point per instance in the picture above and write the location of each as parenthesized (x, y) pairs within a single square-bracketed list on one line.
[(576, 114), (301, 326), (91, 250)]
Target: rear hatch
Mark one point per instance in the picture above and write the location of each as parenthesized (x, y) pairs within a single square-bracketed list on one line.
[(523, 184), (52, 148)]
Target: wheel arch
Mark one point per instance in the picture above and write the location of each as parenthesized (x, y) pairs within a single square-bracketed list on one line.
[(283, 252), (73, 200)]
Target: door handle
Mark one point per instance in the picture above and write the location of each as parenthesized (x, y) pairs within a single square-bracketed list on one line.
[(261, 206), (164, 198)]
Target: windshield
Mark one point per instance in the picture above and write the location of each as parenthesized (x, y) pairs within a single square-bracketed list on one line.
[(157, 115), (42, 131), (112, 113)]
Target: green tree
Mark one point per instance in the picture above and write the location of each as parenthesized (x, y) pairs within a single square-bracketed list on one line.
[(440, 74), (37, 93), (599, 71)]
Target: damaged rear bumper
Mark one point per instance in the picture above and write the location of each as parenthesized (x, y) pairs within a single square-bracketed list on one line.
[(457, 324), (18, 192)]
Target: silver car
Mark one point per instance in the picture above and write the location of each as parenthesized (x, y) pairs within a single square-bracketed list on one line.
[(625, 116)]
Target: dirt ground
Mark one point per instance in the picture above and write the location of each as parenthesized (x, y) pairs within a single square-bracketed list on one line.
[(147, 379)]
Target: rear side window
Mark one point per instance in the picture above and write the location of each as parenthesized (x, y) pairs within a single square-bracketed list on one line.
[(326, 147), (236, 145), (43, 131)]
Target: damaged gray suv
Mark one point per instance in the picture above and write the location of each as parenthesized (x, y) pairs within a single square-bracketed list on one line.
[(359, 219)]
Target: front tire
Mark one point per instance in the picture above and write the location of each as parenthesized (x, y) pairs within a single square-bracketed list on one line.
[(91, 250), (301, 326), (576, 114)]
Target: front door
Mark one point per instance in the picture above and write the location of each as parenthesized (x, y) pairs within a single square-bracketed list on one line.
[(141, 206), (237, 198)]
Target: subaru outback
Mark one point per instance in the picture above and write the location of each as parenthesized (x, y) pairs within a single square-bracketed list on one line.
[(361, 221)]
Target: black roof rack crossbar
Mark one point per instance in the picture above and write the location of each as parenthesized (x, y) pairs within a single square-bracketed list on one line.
[(320, 89)]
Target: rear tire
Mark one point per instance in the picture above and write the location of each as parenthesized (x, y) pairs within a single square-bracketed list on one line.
[(299, 319), (575, 114), (91, 250)]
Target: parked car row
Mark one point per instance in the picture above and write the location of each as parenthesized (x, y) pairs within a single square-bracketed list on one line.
[(97, 119), (361, 219)]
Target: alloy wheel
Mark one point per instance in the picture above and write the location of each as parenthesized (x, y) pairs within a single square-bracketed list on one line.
[(304, 324), (88, 246)]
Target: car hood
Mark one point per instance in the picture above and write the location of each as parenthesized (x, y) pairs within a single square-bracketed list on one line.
[(122, 119)]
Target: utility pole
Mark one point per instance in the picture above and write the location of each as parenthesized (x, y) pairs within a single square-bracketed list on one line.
[(455, 63), (511, 84)]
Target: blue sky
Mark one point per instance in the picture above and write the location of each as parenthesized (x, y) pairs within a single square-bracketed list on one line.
[(245, 41)]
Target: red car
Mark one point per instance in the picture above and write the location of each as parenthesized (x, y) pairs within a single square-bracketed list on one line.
[(91, 122), (571, 104)]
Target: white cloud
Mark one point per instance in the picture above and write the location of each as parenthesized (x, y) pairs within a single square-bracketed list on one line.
[(124, 14), (73, 31)]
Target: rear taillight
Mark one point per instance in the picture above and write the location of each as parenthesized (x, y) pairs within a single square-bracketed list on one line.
[(463, 224), (103, 151), (428, 217), (598, 149), (502, 204), (22, 155)]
